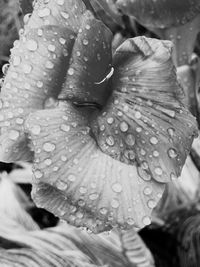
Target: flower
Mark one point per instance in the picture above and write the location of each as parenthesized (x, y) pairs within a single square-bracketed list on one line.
[(177, 21), (117, 130)]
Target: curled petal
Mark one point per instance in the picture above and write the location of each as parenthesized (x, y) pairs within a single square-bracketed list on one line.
[(148, 12), (145, 123), (76, 181), (37, 68), (90, 63)]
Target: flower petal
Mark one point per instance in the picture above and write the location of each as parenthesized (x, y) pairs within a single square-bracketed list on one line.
[(90, 63), (148, 12), (145, 123), (79, 183), (37, 69)]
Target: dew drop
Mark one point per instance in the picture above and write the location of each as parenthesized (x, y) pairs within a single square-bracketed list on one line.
[(48, 162), (110, 140), (103, 211), (61, 185), (151, 204), (146, 220), (38, 174), (71, 177), (93, 196), (172, 153), (147, 191), (70, 71), (35, 129), (64, 15), (130, 140), (123, 126), (130, 221), (49, 147), (158, 171), (44, 12), (49, 65), (115, 204), (117, 187), (65, 127), (13, 135), (51, 48), (16, 61), (153, 140), (32, 45)]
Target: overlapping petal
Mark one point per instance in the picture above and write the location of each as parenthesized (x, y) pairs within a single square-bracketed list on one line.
[(161, 13), (81, 184), (145, 123), (45, 57)]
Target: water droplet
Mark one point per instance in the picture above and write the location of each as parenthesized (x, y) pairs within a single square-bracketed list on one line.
[(123, 126), (110, 120), (49, 147), (51, 48), (146, 220), (83, 190), (158, 171), (13, 135), (63, 158), (130, 140), (85, 42), (115, 204), (49, 65), (110, 140), (61, 185), (130, 221), (153, 140), (35, 129), (138, 115), (44, 12), (172, 153), (117, 187), (27, 68), (147, 190), (171, 132), (62, 41), (16, 60), (151, 204), (143, 174), (103, 211), (65, 127), (38, 174), (155, 153), (64, 15), (71, 177), (32, 45), (5, 68), (144, 165), (48, 162), (70, 71), (129, 154), (93, 196), (60, 2)]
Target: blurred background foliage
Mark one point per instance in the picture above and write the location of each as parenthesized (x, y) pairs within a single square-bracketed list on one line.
[(174, 236)]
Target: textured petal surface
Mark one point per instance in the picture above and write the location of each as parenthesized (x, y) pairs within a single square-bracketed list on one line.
[(79, 183), (90, 63), (161, 13), (145, 123), (37, 67)]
